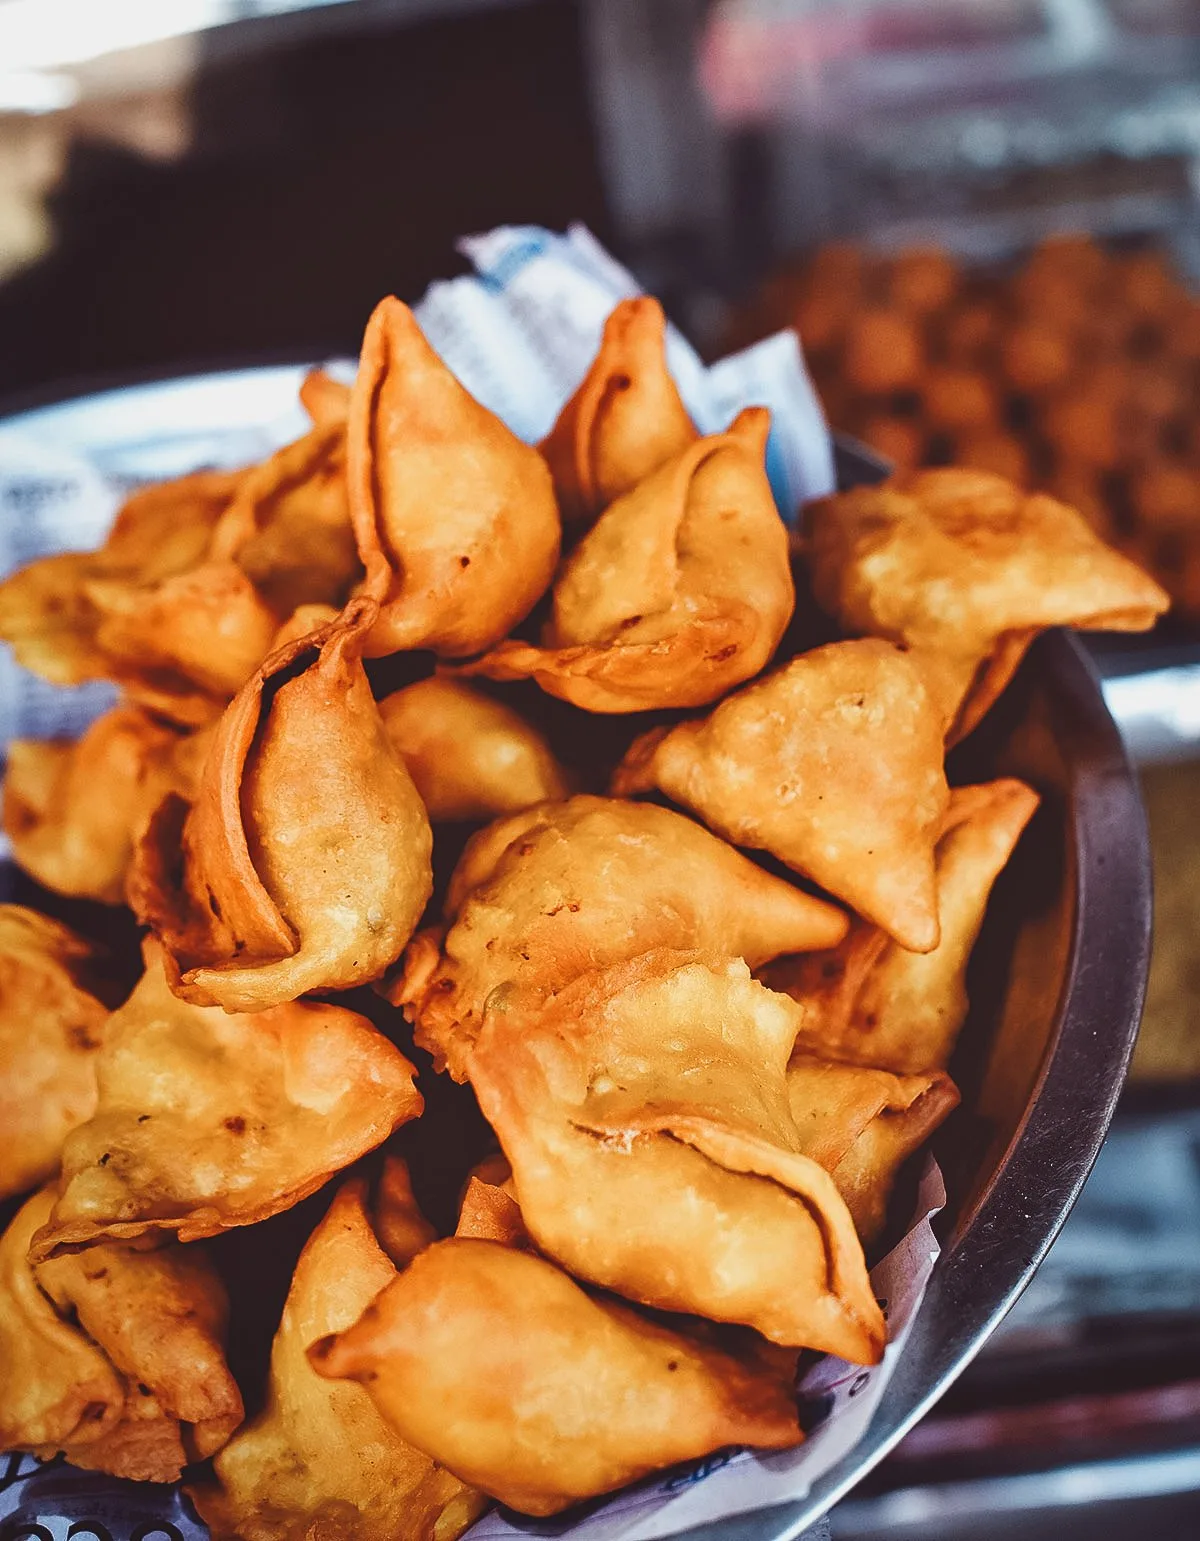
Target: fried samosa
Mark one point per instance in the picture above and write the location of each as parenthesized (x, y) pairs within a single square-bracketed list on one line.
[(644, 1111), (511, 1375), (400, 1227), (966, 568), (873, 1003), (51, 1023), (564, 889), (833, 764), (625, 419), (862, 1124), (207, 1120), (46, 614), (304, 863), (471, 757), (489, 1209), (681, 590), (325, 399), (72, 811), (455, 517), (114, 1357), (288, 525), (320, 1461), (184, 645)]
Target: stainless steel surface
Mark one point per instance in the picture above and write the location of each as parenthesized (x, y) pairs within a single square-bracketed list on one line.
[(1056, 984)]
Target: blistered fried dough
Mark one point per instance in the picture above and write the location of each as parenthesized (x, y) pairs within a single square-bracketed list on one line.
[(873, 1003), (114, 1358), (319, 1461), (306, 856), (161, 1317), (679, 591), (46, 614), (51, 1023), (72, 811), (206, 1120), (470, 757), (564, 889), (645, 1113), (625, 419), (455, 518), (489, 1210), (325, 399), (288, 525), (862, 1124), (968, 569), (57, 1390), (508, 1373), (182, 646), (833, 763)]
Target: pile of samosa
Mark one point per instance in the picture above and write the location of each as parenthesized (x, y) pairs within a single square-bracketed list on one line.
[(701, 961)]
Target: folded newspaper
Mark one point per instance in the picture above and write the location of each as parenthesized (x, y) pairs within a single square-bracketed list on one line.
[(520, 336)]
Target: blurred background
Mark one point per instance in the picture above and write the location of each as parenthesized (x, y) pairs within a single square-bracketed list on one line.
[(983, 218)]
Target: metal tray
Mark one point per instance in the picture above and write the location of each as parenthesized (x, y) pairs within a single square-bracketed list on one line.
[(1056, 982)]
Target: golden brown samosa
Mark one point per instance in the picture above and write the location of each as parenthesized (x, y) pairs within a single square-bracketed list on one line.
[(833, 764), (183, 645), (681, 590), (869, 1001), (489, 1210), (500, 1366), (324, 398), (966, 568), (564, 889), (207, 1120), (46, 614), (304, 863), (625, 418), (455, 518), (644, 1111), (400, 1227), (862, 1124), (470, 756), (51, 1023), (114, 1357), (288, 525), (320, 1461), (72, 811)]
